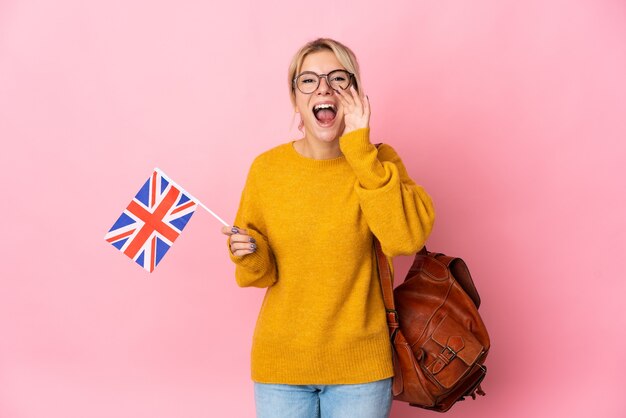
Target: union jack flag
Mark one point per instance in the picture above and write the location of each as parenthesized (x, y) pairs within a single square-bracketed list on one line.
[(152, 221)]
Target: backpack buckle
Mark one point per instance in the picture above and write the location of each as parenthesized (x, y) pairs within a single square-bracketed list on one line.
[(451, 351), (394, 313)]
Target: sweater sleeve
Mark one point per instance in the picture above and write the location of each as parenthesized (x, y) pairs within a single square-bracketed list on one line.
[(257, 269), (398, 212)]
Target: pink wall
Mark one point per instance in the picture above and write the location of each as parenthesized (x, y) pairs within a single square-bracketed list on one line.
[(510, 113)]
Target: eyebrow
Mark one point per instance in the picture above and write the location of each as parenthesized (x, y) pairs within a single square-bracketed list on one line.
[(315, 72)]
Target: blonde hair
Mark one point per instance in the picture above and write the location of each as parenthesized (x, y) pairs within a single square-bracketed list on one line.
[(344, 55)]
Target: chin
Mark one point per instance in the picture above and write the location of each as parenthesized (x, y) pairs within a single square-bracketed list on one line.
[(328, 134)]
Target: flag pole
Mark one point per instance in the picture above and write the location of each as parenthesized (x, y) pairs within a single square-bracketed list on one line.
[(158, 170)]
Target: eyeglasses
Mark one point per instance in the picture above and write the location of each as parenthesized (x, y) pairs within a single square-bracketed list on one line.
[(308, 81)]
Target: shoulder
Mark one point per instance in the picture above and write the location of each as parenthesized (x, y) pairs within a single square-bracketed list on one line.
[(270, 159), (272, 156)]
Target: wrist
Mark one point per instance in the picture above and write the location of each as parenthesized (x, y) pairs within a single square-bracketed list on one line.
[(351, 129)]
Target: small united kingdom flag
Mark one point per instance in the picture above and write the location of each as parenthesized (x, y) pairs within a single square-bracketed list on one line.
[(152, 221)]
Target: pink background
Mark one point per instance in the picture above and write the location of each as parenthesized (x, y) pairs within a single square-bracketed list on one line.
[(512, 114)]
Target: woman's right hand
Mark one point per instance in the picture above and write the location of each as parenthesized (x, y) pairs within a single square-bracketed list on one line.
[(240, 242)]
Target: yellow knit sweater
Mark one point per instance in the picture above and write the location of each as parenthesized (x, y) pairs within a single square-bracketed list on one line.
[(322, 320)]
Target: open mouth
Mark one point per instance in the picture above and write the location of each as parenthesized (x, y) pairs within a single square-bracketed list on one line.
[(325, 113)]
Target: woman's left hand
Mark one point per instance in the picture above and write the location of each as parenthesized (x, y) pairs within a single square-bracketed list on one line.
[(356, 109)]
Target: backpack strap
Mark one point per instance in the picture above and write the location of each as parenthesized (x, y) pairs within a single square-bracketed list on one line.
[(386, 283)]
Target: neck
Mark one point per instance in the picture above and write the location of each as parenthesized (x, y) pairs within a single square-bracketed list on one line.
[(316, 149)]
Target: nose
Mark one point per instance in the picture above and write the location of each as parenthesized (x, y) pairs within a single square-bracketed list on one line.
[(324, 87)]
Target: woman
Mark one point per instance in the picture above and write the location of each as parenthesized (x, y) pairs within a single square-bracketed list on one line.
[(304, 230)]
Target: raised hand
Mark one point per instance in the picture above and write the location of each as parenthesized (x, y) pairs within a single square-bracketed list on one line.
[(356, 109)]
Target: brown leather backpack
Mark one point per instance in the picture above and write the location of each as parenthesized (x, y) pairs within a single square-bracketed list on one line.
[(439, 340)]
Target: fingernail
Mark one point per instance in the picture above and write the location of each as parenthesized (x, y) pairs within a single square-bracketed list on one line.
[(253, 246), (252, 239), (234, 230)]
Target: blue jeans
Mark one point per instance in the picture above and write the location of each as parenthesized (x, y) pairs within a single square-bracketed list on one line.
[(362, 400)]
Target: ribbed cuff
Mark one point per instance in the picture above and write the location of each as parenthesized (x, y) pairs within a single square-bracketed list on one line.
[(254, 262)]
